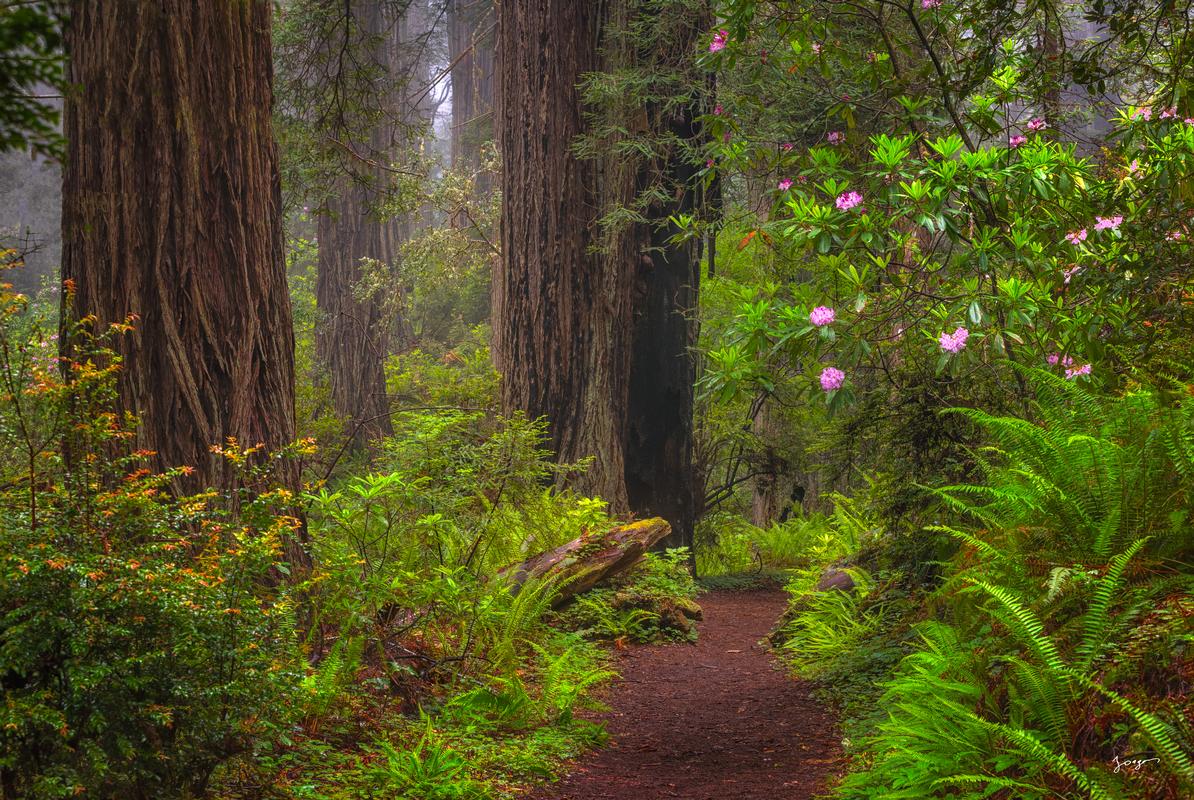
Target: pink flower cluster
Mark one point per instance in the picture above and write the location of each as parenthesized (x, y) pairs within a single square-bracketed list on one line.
[(785, 184), (1108, 223), (1071, 272), (1036, 124), (822, 316), (720, 39), (835, 137), (1144, 112), (930, 4), (848, 200), (954, 342), (1053, 359), (1074, 372), (1016, 141), (832, 379), (1076, 237), (786, 147)]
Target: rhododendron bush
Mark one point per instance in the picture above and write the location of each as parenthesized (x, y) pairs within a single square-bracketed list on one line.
[(965, 215), (971, 257)]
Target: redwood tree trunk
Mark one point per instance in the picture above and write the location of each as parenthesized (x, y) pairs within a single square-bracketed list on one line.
[(353, 337), (599, 343), (471, 40), (660, 479), (171, 212), (561, 314)]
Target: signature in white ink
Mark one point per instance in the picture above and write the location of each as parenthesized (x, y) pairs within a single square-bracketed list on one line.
[(1132, 764)]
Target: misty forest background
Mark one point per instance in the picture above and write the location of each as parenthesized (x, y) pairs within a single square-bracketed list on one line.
[(321, 317)]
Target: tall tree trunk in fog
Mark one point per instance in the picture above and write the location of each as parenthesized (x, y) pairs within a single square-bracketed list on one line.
[(598, 342), (353, 337), (471, 40), (562, 316), (171, 212), (660, 478)]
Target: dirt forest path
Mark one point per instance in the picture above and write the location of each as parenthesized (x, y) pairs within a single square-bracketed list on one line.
[(714, 721)]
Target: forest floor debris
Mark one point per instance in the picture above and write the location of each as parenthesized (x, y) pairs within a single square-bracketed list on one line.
[(713, 720)]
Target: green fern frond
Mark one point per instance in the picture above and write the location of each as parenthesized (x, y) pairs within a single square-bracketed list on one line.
[(1024, 622), (1097, 618)]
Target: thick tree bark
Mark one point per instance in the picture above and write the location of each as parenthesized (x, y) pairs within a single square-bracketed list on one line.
[(353, 337), (598, 342), (561, 313), (660, 478), (471, 52), (171, 212)]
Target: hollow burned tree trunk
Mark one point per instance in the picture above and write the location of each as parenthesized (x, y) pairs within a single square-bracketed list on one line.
[(171, 212)]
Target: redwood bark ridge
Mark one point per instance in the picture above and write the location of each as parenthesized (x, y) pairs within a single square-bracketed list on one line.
[(171, 211)]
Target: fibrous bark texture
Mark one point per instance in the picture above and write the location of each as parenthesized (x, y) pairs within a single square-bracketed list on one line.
[(471, 40), (353, 337), (561, 313), (171, 212), (594, 332)]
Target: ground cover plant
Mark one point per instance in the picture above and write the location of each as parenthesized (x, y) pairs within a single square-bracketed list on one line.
[(850, 336)]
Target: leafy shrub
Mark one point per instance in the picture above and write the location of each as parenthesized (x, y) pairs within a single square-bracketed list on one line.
[(655, 599), (144, 639), (1060, 644)]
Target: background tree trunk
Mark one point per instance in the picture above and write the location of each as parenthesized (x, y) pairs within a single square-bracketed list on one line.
[(171, 212), (660, 479), (471, 52), (353, 338)]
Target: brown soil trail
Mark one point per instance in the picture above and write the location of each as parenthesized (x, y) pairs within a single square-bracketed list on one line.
[(714, 721)]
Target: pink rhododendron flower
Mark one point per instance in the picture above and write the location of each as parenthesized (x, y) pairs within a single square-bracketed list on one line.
[(1052, 359), (817, 48), (1036, 124), (821, 316), (1108, 223), (786, 146), (1016, 141), (1071, 272), (848, 200), (709, 162), (835, 137), (785, 184), (719, 41), (1169, 113), (717, 109), (954, 342), (832, 379), (1174, 236), (1134, 167), (1144, 112), (1189, 120), (929, 4), (1076, 237), (1074, 372)]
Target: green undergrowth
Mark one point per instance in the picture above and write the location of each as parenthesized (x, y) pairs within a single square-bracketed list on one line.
[(1052, 657), (653, 601)]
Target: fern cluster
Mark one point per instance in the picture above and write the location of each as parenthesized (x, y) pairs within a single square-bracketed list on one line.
[(1058, 650)]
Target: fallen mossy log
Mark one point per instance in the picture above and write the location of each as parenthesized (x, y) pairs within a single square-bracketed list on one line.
[(582, 563)]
